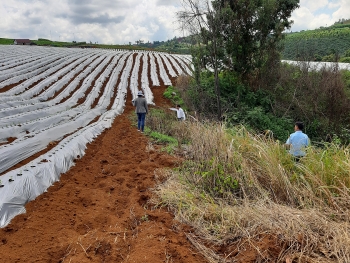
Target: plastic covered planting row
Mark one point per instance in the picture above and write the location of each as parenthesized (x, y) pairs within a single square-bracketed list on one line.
[(59, 106)]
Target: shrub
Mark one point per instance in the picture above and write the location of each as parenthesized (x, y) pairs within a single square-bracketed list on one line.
[(173, 95), (237, 187), (345, 60)]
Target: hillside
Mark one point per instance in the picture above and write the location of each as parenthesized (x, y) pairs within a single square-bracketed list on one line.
[(322, 44), (52, 43), (181, 45)]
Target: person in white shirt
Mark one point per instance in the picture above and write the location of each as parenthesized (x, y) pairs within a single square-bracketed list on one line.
[(298, 141), (180, 113)]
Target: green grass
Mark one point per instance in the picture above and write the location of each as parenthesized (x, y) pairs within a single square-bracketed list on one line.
[(6, 41), (160, 138), (47, 42), (237, 185), (157, 135), (169, 143), (173, 95)]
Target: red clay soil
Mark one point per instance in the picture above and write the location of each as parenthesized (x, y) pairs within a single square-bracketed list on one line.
[(11, 86), (98, 211), (9, 140)]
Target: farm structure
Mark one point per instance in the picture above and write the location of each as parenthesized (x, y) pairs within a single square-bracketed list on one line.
[(54, 101), (22, 42)]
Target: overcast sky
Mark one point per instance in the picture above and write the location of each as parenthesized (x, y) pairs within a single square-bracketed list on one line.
[(124, 21)]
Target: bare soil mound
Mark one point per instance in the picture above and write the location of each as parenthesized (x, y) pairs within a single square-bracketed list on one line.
[(98, 211)]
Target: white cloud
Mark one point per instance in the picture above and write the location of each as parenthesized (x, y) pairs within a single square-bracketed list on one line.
[(304, 19), (314, 14), (343, 10), (313, 5), (105, 21), (120, 21), (333, 5)]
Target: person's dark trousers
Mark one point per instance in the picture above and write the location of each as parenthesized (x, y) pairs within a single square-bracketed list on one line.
[(141, 121), (297, 158)]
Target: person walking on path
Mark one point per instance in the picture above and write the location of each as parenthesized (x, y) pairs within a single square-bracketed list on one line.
[(297, 141), (141, 110)]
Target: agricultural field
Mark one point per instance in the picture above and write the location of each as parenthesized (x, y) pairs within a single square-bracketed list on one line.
[(316, 44), (54, 101)]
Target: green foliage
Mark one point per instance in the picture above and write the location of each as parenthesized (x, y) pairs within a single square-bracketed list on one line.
[(259, 119), (345, 60), (47, 42), (144, 218), (159, 122), (161, 138), (212, 171), (346, 78), (181, 45), (169, 142), (173, 95), (235, 36), (231, 161), (237, 183), (241, 104), (251, 32), (6, 41), (312, 44), (321, 99), (155, 126), (329, 58)]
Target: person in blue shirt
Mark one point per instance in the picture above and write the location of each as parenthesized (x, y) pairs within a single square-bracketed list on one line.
[(297, 141)]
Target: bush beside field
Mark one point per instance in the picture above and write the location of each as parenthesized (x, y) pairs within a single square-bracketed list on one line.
[(236, 187)]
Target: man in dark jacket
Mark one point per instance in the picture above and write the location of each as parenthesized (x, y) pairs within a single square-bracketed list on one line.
[(141, 110)]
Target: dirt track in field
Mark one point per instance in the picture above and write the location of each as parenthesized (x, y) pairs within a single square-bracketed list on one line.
[(98, 211)]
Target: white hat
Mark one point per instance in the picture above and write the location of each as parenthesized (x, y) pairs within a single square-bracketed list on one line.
[(139, 93)]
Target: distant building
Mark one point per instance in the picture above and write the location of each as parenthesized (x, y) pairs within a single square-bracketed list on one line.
[(22, 42)]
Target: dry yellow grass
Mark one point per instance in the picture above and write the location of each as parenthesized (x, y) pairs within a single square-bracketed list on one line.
[(235, 185)]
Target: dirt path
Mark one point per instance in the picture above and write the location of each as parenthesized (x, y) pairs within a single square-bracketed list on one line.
[(98, 211)]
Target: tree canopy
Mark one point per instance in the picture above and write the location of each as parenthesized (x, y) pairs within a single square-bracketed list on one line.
[(235, 35)]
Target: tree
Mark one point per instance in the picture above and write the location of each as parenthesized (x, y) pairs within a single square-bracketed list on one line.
[(235, 35), (253, 29), (204, 22)]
